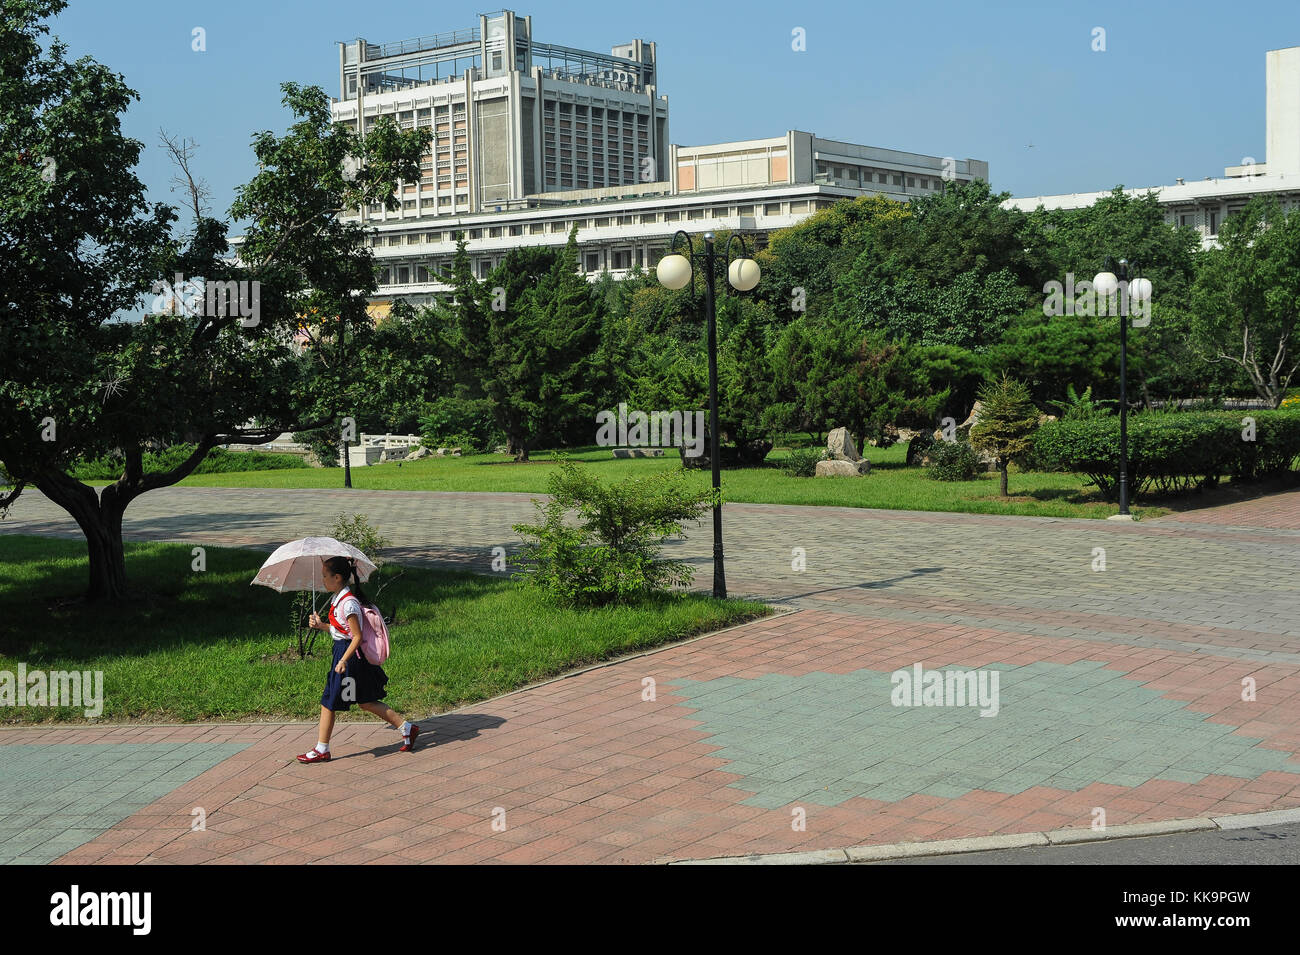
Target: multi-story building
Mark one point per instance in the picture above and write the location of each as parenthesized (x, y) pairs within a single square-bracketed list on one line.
[(1204, 205), (531, 139), (510, 117)]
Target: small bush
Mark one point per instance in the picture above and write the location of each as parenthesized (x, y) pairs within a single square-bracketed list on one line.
[(802, 462), (466, 442), (1082, 407), (613, 554), (954, 461), (361, 534)]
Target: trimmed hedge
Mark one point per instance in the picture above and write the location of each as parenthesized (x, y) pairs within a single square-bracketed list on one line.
[(217, 461), (1173, 451)]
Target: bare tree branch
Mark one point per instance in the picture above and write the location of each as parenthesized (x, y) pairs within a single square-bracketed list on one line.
[(182, 152)]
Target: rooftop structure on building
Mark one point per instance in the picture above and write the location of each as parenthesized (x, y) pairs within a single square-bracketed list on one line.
[(1204, 204), (510, 117)]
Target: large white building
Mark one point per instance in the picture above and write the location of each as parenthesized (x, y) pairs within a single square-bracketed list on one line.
[(1204, 205), (531, 139)]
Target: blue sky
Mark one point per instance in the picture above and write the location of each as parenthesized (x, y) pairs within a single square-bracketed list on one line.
[(1178, 91)]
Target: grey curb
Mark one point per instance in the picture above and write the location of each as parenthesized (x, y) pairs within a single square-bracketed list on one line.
[(1058, 837)]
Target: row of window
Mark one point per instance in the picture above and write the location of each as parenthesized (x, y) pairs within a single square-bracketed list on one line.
[(438, 269), (863, 176), (1206, 220), (794, 207)]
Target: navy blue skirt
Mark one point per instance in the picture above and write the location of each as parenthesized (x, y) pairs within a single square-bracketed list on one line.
[(368, 680)]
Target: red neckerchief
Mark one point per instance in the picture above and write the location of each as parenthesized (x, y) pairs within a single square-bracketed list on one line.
[(343, 626)]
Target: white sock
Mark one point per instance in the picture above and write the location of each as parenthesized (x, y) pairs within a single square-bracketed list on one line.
[(322, 747), (406, 728)]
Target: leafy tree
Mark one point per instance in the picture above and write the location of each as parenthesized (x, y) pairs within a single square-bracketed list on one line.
[(1120, 226), (1243, 303), (1053, 353), (319, 259), (816, 252), (971, 311), (527, 335), (79, 247), (1078, 242), (1006, 425), (963, 229), (829, 373), (745, 379)]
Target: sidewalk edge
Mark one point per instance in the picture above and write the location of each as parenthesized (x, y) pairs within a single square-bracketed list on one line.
[(1015, 840)]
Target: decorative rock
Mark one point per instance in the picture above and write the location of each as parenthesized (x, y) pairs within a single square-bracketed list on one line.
[(440, 452), (637, 452), (418, 453), (843, 468), (840, 446), (455, 452)]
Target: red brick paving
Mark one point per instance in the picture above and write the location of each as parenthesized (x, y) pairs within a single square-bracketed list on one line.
[(632, 781)]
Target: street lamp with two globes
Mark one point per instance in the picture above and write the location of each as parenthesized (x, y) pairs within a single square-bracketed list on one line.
[(675, 271)]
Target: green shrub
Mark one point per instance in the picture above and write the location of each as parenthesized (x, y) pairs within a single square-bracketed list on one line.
[(1173, 452), (1081, 407), (460, 423), (466, 442), (802, 462), (217, 461), (954, 461), (361, 534), (613, 554)]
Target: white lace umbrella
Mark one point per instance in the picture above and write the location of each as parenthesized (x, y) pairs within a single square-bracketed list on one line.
[(297, 565)]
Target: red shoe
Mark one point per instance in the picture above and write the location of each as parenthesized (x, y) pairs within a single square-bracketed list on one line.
[(313, 755), (408, 742)]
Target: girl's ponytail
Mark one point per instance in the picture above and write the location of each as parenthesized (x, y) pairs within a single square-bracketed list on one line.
[(356, 585)]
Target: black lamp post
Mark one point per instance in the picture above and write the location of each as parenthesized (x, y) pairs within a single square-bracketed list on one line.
[(1135, 289), (675, 271)]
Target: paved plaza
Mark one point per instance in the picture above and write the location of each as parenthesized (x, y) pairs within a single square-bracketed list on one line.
[(1164, 686)]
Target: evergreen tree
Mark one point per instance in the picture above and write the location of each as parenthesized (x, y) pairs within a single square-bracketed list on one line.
[(1006, 424)]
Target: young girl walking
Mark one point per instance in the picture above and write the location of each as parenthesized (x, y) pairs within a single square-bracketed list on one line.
[(352, 678)]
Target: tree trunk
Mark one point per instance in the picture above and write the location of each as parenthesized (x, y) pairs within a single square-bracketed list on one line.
[(100, 519), (1002, 470), (518, 446)]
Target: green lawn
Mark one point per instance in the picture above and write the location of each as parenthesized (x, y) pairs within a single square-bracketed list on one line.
[(208, 646), (890, 485)]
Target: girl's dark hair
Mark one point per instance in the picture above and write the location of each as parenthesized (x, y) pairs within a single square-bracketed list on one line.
[(347, 568)]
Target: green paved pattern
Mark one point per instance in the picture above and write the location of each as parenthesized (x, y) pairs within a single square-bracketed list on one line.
[(824, 738), (56, 797)]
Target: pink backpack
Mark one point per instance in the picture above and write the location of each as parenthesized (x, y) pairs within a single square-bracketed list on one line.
[(374, 635)]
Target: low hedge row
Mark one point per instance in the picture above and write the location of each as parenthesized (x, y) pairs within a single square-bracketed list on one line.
[(217, 461), (1172, 452)]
